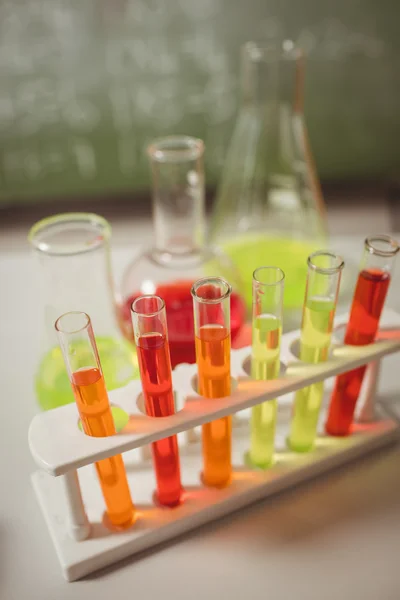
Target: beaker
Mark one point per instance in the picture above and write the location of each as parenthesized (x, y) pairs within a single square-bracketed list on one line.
[(73, 256), (269, 207), (178, 256)]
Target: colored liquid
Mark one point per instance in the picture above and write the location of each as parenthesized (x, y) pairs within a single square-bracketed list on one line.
[(368, 301), (316, 332), (214, 381), (180, 320), (155, 371), (118, 359), (250, 251), (265, 365), (92, 400)]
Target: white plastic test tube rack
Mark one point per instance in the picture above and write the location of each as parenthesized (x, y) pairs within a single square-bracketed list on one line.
[(73, 506)]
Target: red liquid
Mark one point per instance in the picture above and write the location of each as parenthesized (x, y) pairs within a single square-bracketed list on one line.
[(368, 301), (155, 372), (179, 308)]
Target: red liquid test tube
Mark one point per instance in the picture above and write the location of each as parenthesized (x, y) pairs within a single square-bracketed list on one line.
[(150, 329), (368, 301)]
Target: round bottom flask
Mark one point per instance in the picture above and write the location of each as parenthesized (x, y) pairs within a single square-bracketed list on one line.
[(178, 257)]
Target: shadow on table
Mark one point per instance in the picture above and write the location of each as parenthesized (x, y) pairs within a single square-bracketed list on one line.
[(305, 511)]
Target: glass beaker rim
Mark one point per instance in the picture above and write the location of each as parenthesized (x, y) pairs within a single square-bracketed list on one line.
[(226, 289), (371, 245), (270, 269), (153, 313), (85, 323), (325, 270), (175, 148), (49, 225)]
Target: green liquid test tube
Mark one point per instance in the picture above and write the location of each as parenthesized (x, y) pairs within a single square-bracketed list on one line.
[(268, 285), (323, 282)]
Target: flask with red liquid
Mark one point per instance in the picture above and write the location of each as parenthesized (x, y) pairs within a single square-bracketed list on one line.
[(368, 301), (178, 256)]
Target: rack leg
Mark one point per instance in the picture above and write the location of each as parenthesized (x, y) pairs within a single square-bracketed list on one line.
[(145, 452), (367, 412), (79, 526)]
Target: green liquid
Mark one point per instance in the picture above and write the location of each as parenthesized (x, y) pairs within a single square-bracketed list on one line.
[(53, 388), (315, 341), (252, 251), (265, 364)]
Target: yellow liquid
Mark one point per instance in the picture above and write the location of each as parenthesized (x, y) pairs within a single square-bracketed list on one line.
[(251, 251), (265, 364), (315, 341)]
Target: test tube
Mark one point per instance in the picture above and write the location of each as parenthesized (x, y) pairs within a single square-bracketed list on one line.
[(369, 297), (78, 345), (322, 289), (268, 287), (150, 328), (211, 304)]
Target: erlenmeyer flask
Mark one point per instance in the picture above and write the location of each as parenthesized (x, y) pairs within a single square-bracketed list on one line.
[(74, 273), (178, 256), (269, 208)]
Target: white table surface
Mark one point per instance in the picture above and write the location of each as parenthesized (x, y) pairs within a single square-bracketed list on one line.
[(336, 537)]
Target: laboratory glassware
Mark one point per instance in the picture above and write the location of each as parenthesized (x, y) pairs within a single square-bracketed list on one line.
[(83, 366), (151, 337), (369, 297), (322, 290), (211, 306), (269, 207), (178, 255), (74, 273), (268, 288)]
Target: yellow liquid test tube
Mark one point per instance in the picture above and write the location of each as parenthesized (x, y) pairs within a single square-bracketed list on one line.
[(268, 287), (82, 361), (211, 303), (323, 282)]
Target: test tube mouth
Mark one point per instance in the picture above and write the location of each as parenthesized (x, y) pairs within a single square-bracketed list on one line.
[(316, 259), (72, 322), (204, 290), (175, 148), (69, 234), (147, 306), (259, 51), (268, 276), (381, 245)]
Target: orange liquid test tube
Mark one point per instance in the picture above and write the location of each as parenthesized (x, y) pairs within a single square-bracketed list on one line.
[(81, 358), (211, 300)]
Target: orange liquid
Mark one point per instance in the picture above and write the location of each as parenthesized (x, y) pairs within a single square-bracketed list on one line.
[(213, 353), (94, 409)]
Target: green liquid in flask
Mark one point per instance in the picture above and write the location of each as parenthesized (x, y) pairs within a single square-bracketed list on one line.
[(315, 341), (53, 388), (265, 365), (252, 251)]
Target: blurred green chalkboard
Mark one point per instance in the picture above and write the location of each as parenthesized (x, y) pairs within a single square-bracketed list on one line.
[(85, 84)]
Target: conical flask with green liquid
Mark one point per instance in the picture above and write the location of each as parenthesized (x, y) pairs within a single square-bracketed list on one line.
[(269, 207)]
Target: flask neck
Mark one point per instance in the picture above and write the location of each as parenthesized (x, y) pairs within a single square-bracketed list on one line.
[(272, 79), (179, 221), (178, 195)]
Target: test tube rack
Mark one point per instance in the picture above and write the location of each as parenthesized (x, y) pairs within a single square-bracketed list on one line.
[(72, 504)]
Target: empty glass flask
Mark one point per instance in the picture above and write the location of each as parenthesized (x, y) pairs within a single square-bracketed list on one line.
[(269, 207)]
